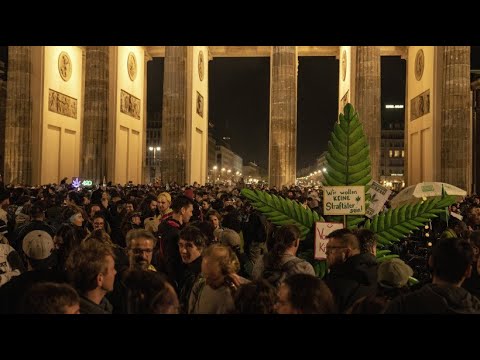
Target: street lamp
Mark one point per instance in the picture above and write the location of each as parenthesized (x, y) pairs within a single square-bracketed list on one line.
[(155, 149), (215, 167)]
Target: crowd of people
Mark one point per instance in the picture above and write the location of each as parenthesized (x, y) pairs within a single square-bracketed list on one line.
[(205, 250)]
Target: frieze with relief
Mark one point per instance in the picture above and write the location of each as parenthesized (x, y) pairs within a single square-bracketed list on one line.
[(62, 104), (129, 104), (420, 105)]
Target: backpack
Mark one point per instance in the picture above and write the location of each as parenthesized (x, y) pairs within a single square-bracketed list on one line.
[(276, 276)]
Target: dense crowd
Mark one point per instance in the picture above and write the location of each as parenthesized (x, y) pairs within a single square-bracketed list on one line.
[(205, 250)]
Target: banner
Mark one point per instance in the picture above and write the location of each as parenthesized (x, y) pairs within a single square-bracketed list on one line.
[(344, 200), (322, 229)]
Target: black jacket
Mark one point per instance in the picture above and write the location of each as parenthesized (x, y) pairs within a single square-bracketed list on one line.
[(168, 235), (435, 299), (353, 279)]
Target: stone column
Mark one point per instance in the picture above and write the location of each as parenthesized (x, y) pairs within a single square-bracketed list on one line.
[(476, 134), (3, 115), (95, 123), (283, 116), (18, 126), (367, 100), (174, 140), (456, 126)]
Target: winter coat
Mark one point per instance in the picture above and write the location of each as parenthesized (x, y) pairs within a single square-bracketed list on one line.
[(436, 299), (353, 279)]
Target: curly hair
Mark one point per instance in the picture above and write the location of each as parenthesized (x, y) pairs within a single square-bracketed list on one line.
[(256, 297), (224, 256)]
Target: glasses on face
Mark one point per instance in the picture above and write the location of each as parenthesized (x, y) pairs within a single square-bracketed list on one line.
[(139, 251), (330, 249)]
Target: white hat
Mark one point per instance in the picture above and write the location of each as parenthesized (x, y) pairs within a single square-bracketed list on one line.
[(38, 245)]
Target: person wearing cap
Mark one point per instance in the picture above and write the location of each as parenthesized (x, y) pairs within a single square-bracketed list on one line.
[(392, 278), (37, 214), (451, 263), (38, 248)]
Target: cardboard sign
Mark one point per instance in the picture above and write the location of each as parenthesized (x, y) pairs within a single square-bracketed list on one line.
[(379, 195), (322, 229), (344, 200)]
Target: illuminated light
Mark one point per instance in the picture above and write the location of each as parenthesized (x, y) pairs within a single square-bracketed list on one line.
[(158, 148), (150, 148), (389, 106), (424, 198), (429, 243), (215, 167), (76, 183), (427, 227), (324, 169), (427, 235), (223, 169), (87, 183), (398, 106)]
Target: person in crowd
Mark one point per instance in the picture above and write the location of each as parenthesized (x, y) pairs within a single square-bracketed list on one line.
[(472, 284), (91, 268), (256, 297), (150, 293), (213, 292), (51, 298), (231, 238), (451, 263), (168, 235), (392, 277), (304, 294), (352, 274), (281, 261), (215, 218), (190, 245)]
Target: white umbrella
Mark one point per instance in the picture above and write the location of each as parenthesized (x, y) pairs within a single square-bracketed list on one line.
[(413, 193)]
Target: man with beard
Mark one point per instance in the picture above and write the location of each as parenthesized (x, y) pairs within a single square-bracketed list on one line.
[(140, 244)]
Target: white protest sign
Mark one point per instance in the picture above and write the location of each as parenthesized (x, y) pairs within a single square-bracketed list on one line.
[(379, 195), (344, 200), (322, 229)]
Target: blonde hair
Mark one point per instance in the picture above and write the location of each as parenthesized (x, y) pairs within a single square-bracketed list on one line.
[(224, 256)]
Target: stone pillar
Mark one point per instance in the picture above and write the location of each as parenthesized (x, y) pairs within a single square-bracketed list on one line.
[(283, 116), (456, 126), (3, 114), (95, 124), (476, 134), (367, 100), (174, 115), (18, 126)]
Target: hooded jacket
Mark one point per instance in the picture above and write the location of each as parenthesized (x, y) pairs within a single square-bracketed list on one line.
[(436, 299)]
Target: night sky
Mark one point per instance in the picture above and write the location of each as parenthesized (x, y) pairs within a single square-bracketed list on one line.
[(239, 103), (240, 93)]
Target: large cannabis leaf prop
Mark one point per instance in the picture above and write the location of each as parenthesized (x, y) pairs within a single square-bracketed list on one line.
[(348, 161), (395, 224), (282, 211)]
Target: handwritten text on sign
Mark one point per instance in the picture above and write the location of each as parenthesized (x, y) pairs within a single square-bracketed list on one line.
[(322, 229), (344, 200)]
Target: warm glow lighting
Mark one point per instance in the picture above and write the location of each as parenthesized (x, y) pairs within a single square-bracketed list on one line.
[(324, 169), (215, 167), (223, 169), (158, 148), (150, 148)]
